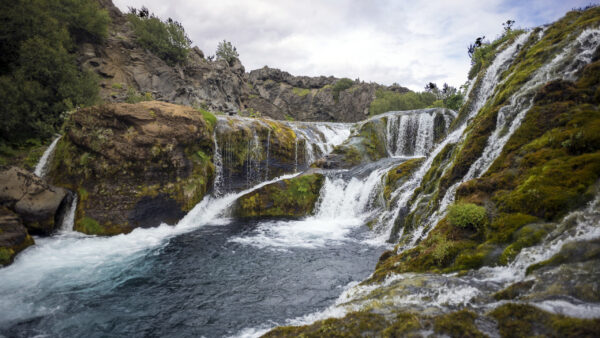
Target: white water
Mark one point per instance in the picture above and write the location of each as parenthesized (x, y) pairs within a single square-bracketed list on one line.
[(403, 194), (77, 259), (343, 206), (320, 137), (410, 134), (218, 161), (42, 166), (510, 116), (69, 218)]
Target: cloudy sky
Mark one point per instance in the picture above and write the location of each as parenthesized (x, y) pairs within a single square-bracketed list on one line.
[(410, 42)]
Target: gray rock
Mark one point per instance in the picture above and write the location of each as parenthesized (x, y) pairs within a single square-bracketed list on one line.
[(35, 201)]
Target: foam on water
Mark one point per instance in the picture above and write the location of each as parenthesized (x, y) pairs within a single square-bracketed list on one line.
[(69, 259)]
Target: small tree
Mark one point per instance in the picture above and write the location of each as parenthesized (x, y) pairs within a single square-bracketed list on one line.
[(508, 25), (226, 51)]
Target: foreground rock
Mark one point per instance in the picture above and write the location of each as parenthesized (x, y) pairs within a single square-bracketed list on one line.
[(13, 236), (134, 165), (291, 198), (37, 203)]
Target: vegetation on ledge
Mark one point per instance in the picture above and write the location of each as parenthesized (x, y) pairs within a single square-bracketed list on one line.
[(292, 198)]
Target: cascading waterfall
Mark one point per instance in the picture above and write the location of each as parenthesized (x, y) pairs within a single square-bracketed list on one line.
[(403, 194), (320, 137), (218, 161), (510, 116), (69, 218), (267, 155), (42, 166), (410, 134)]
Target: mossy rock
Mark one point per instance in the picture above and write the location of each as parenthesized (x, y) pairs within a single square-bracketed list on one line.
[(14, 237), (521, 320), (134, 165), (290, 198)]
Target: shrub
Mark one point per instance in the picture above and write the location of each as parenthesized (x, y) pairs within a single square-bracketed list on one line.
[(341, 85), (388, 101), (467, 215), (166, 39), (39, 75), (226, 51)]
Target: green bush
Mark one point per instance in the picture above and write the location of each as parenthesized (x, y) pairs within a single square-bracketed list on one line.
[(226, 51), (388, 101), (341, 85), (39, 75), (467, 215), (166, 39)]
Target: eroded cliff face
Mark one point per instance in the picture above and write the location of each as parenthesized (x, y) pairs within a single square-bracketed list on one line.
[(125, 66), (281, 95), (127, 69)]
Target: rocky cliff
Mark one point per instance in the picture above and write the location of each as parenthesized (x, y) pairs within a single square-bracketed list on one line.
[(126, 70)]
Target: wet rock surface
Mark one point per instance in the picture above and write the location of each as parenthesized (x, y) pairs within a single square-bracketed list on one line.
[(36, 202)]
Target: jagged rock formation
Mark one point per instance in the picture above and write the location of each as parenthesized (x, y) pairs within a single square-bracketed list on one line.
[(218, 85), (13, 236), (280, 95), (37, 203), (122, 64), (134, 165)]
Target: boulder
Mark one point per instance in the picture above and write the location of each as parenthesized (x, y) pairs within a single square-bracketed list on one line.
[(134, 165), (13, 236), (291, 198), (35, 201)]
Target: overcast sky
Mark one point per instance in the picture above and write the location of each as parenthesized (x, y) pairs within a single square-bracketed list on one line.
[(410, 42)]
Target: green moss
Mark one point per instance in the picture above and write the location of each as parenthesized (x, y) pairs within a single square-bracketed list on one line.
[(291, 198), (514, 290), (117, 85), (354, 324), (91, 226), (574, 252), (301, 91), (398, 174), (458, 324), (6, 255), (209, 117), (467, 215), (529, 235), (520, 320)]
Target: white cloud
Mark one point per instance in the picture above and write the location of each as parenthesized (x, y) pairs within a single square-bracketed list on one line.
[(385, 41)]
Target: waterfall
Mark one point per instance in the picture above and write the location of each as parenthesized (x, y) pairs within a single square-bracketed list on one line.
[(267, 155), (510, 116), (320, 137), (410, 134), (42, 166), (296, 154), (253, 165), (403, 194), (218, 161), (69, 219)]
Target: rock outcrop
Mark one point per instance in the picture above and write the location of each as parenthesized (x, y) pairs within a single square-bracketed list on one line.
[(291, 198), (280, 95), (127, 69), (37, 203), (13, 236), (134, 165), (257, 149)]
